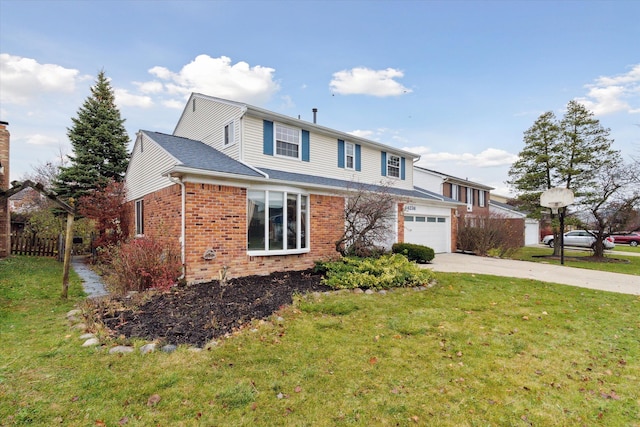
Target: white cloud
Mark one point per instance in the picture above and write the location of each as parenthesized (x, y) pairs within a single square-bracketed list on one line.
[(40, 140), (217, 77), (613, 94), (177, 104), (364, 81), (368, 134), (124, 98), (149, 87), (490, 157), (23, 79)]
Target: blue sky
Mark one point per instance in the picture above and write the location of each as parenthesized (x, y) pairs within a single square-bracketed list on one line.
[(455, 81)]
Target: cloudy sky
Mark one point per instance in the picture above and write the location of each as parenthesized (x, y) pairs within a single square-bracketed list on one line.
[(457, 82)]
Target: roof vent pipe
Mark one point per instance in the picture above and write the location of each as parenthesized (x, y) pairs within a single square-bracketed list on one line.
[(315, 111)]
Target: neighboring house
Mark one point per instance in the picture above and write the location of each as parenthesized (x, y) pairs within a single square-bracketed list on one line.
[(24, 200), (475, 200), (530, 227), (473, 195), (246, 189)]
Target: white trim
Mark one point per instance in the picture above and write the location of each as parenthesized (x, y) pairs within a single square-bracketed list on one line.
[(275, 141), (353, 155), (232, 138)]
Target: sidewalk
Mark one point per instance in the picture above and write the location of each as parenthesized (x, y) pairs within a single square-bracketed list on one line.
[(592, 279), (91, 282)]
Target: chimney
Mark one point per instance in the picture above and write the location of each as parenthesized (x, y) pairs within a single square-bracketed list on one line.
[(315, 111), (5, 222)]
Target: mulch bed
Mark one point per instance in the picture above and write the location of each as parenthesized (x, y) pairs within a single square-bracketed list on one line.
[(197, 314)]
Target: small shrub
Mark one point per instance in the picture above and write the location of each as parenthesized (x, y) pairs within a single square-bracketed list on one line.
[(141, 264), (418, 253), (385, 272)]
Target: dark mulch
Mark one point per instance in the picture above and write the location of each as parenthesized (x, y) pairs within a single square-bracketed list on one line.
[(196, 314)]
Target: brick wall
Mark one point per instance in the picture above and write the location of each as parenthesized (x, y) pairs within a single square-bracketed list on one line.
[(5, 222), (400, 223), (454, 229), (216, 219)]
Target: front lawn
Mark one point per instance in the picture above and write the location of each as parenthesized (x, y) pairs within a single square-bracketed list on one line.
[(472, 350), (581, 259)]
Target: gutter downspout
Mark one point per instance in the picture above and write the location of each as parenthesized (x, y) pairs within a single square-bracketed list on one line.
[(182, 223)]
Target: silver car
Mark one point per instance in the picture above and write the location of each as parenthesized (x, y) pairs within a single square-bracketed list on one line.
[(580, 238)]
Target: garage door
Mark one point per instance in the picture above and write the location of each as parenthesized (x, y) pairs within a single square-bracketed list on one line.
[(432, 231)]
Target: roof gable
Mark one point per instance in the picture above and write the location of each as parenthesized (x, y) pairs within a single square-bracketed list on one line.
[(198, 155), (292, 121)]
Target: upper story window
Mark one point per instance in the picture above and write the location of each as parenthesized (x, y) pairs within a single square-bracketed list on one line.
[(393, 166), (469, 196), (455, 192), (481, 199), (349, 155), (287, 141), (229, 134)]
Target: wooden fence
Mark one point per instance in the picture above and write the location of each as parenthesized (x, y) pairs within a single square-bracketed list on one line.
[(31, 244)]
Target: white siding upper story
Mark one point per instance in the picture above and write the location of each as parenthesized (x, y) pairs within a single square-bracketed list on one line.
[(323, 156), (147, 162), (428, 180), (204, 119)]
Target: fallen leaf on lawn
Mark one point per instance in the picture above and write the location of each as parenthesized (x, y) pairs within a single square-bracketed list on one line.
[(415, 419), (123, 421), (459, 354), (75, 398), (100, 423), (525, 317), (153, 400), (298, 389), (373, 360), (395, 391)]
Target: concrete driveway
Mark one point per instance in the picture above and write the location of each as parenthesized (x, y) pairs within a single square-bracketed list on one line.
[(463, 263)]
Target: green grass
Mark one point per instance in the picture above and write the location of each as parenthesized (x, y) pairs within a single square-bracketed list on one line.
[(627, 248), (473, 350), (531, 253)]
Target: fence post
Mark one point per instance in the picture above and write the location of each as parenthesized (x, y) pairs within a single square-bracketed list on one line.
[(67, 255)]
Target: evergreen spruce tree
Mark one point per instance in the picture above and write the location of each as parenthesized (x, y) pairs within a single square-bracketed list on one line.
[(567, 154), (531, 174), (99, 142)]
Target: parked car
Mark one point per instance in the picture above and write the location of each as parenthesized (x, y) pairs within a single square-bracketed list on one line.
[(580, 238), (633, 239)]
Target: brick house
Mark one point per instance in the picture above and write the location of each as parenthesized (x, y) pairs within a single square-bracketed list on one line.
[(475, 200), (255, 191)]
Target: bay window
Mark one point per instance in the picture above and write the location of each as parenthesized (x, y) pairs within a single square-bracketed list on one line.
[(276, 222)]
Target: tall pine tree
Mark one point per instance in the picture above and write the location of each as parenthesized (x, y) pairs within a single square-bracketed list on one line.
[(99, 142), (567, 154)]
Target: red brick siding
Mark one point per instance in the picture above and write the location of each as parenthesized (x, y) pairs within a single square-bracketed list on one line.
[(216, 219), (400, 223), (454, 229), (5, 223)]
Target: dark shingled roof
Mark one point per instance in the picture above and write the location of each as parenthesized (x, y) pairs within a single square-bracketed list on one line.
[(198, 155), (339, 183)]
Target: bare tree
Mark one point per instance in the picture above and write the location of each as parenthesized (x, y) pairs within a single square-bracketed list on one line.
[(614, 193), (369, 216)]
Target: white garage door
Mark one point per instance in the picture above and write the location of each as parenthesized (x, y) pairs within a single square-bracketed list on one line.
[(432, 231)]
